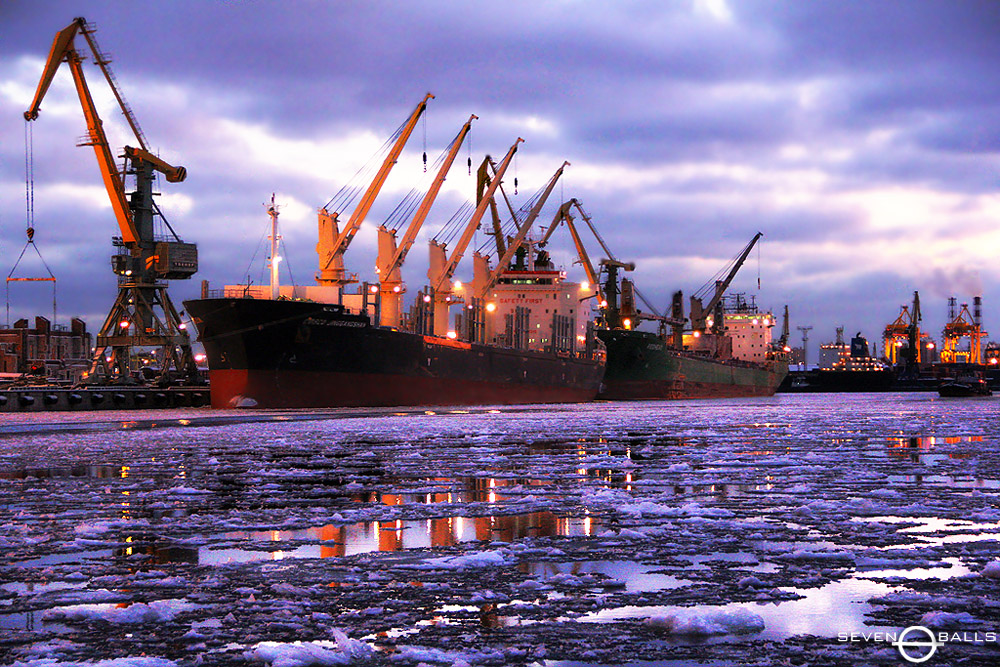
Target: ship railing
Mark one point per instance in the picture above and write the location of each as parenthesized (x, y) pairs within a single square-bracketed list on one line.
[(238, 292)]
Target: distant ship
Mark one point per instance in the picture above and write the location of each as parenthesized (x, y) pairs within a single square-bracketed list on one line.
[(844, 368), (964, 386)]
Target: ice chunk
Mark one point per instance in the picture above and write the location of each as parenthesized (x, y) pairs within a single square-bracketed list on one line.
[(343, 651), (944, 619), (739, 621), (154, 612), (992, 570), (469, 560)]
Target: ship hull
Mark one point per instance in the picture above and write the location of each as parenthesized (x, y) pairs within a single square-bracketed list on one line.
[(641, 367), (298, 354), (841, 381)]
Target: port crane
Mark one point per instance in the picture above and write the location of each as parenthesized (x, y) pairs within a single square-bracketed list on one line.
[(390, 257), (142, 315), (333, 242), (963, 324), (904, 331), (442, 267)]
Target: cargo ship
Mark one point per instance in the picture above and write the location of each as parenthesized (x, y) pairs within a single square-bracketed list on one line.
[(727, 353), (641, 366), (307, 354), (844, 368), (520, 337)]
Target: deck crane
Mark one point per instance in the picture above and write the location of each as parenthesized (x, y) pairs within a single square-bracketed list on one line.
[(617, 314), (488, 278), (142, 315), (710, 317), (333, 242), (442, 267), (390, 257), (563, 215), (482, 182)]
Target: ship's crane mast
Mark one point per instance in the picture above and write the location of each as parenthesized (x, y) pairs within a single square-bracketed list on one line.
[(700, 314), (333, 242), (391, 258), (617, 314), (563, 215), (142, 315), (483, 286), (482, 182), (442, 268)]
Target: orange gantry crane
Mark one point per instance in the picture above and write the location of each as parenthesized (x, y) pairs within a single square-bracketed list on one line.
[(902, 337), (963, 324), (142, 315)]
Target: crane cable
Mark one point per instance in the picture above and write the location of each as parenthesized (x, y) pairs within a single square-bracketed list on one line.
[(29, 174), (424, 119), (758, 265), (29, 198)]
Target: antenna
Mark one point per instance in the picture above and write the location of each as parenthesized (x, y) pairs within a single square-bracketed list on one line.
[(805, 342)]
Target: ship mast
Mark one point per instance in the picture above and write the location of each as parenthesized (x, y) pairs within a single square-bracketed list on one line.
[(274, 260)]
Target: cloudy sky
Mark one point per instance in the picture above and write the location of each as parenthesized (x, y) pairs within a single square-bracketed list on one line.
[(860, 137)]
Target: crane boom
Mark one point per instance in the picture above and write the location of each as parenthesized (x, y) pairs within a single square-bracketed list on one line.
[(448, 270), (482, 181), (104, 62), (522, 231), (63, 49), (563, 215), (425, 205), (332, 245), (699, 312)]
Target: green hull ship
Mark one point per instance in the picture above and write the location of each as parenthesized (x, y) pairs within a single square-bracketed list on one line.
[(727, 354), (641, 366)]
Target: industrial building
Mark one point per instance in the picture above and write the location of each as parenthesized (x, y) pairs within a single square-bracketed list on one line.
[(50, 351)]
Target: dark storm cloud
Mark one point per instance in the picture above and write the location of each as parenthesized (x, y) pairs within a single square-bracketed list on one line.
[(688, 130)]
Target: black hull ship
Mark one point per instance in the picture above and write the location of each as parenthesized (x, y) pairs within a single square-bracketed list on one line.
[(301, 354)]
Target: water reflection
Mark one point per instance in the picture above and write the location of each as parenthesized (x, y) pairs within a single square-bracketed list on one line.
[(338, 541), (81, 471), (917, 449), (834, 608), (633, 577)]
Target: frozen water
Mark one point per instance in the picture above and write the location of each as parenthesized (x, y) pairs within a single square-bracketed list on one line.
[(712, 532)]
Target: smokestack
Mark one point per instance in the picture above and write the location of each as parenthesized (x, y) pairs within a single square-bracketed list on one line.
[(951, 308), (977, 310)]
